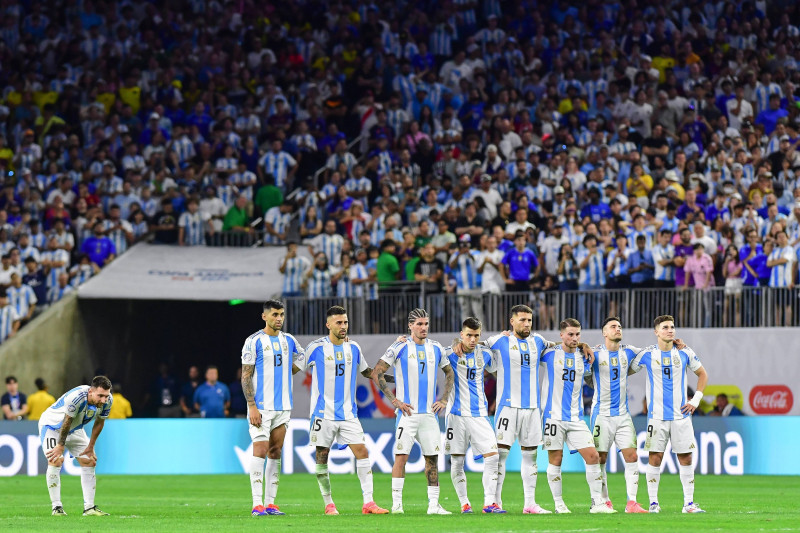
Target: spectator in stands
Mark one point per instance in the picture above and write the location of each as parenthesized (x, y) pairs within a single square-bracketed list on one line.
[(13, 402), (699, 272), (237, 219), (163, 396), (21, 298), (187, 392), (164, 224), (9, 319), (39, 401), (61, 289), (212, 399), (519, 265), (724, 408), (121, 407), (98, 248)]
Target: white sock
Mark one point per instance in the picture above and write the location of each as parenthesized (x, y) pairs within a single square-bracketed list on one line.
[(490, 479), (529, 472), (653, 478), (397, 490), (595, 481), (687, 480), (501, 475), (459, 479), (272, 480), (54, 485), (324, 482), (632, 480), (88, 484), (257, 480), (433, 496), (365, 476), (604, 481), (554, 479)]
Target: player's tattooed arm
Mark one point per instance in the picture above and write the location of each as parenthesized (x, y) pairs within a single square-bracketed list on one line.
[(450, 378), (379, 374), (65, 425), (253, 414), (369, 372)]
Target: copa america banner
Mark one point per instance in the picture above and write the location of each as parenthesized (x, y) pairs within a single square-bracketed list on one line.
[(749, 365), (153, 272)]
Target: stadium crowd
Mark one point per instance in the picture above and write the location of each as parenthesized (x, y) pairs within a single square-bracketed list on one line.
[(612, 144)]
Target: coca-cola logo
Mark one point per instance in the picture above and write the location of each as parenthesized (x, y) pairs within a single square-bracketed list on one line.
[(771, 399)]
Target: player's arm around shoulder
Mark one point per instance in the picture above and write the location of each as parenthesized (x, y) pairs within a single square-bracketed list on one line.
[(640, 361)]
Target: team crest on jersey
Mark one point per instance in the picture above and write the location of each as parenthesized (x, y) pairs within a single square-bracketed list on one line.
[(349, 359), (666, 361), (614, 361), (447, 447), (570, 363), (339, 356), (624, 363), (399, 447), (547, 443), (676, 361), (276, 346), (313, 438), (500, 435), (471, 363), (421, 356)]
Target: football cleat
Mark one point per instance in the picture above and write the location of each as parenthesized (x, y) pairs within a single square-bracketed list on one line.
[(561, 508), (493, 509), (655, 508), (259, 510), (437, 509), (466, 509), (59, 511), (634, 507), (273, 509), (609, 504), (601, 508), (536, 509), (692, 507), (398, 509), (372, 508), (94, 511), (331, 509)]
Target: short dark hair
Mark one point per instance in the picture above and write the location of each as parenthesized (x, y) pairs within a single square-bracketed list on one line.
[(611, 319), (40, 384), (273, 304), (335, 310), (101, 382), (568, 323), (517, 309), (662, 318), (10, 379), (471, 323)]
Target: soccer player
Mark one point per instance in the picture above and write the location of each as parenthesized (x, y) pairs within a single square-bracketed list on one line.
[(611, 418), (668, 412), (415, 361), (334, 362), (61, 427), (269, 359), (564, 370), (468, 417)]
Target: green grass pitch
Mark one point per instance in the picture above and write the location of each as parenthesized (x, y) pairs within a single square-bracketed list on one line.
[(222, 503)]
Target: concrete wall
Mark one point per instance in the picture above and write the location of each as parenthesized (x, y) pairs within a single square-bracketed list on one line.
[(52, 347)]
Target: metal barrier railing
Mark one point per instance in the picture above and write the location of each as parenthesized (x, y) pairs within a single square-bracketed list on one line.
[(751, 307)]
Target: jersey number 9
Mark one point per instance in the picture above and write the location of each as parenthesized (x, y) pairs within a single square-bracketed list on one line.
[(668, 372)]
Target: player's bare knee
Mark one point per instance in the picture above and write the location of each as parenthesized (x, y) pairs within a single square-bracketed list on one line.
[(554, 457), (359, 451), (260, 449), (58, 462), (685, 459), (591, 456), (629, 454), (603, 457), (655, 458)]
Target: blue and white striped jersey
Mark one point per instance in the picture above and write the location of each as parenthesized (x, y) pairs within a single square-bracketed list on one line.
[(194, 227), (320, 284), (117, 236), (279, 222), (8, 315), (666, 380), (468, 397), (465, 271), (74, 403), (334, 369), (293, 275), (782, 275), (80, 274), (278, 165), (331, 245), (56, 293), (563, 378), (593, 274), (415, 371), (273, 357), (517, 362), (21, 299), (610, 379), (662, 253)]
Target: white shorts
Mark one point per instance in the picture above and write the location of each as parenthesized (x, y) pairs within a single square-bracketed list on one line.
[(76, 441), (680, 433), (514, 423), (465, 430), (269, 421), (618, 430), (325, 432), (575, 434), (424, 428)]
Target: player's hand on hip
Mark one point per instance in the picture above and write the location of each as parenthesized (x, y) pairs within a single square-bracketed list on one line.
[(688, 409), (438, 407), (405, 408), (254, 415), (55, 453)]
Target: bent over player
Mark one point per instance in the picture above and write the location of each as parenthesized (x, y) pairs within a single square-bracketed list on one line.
[(61, 427), (335, 363), (269, 358)]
